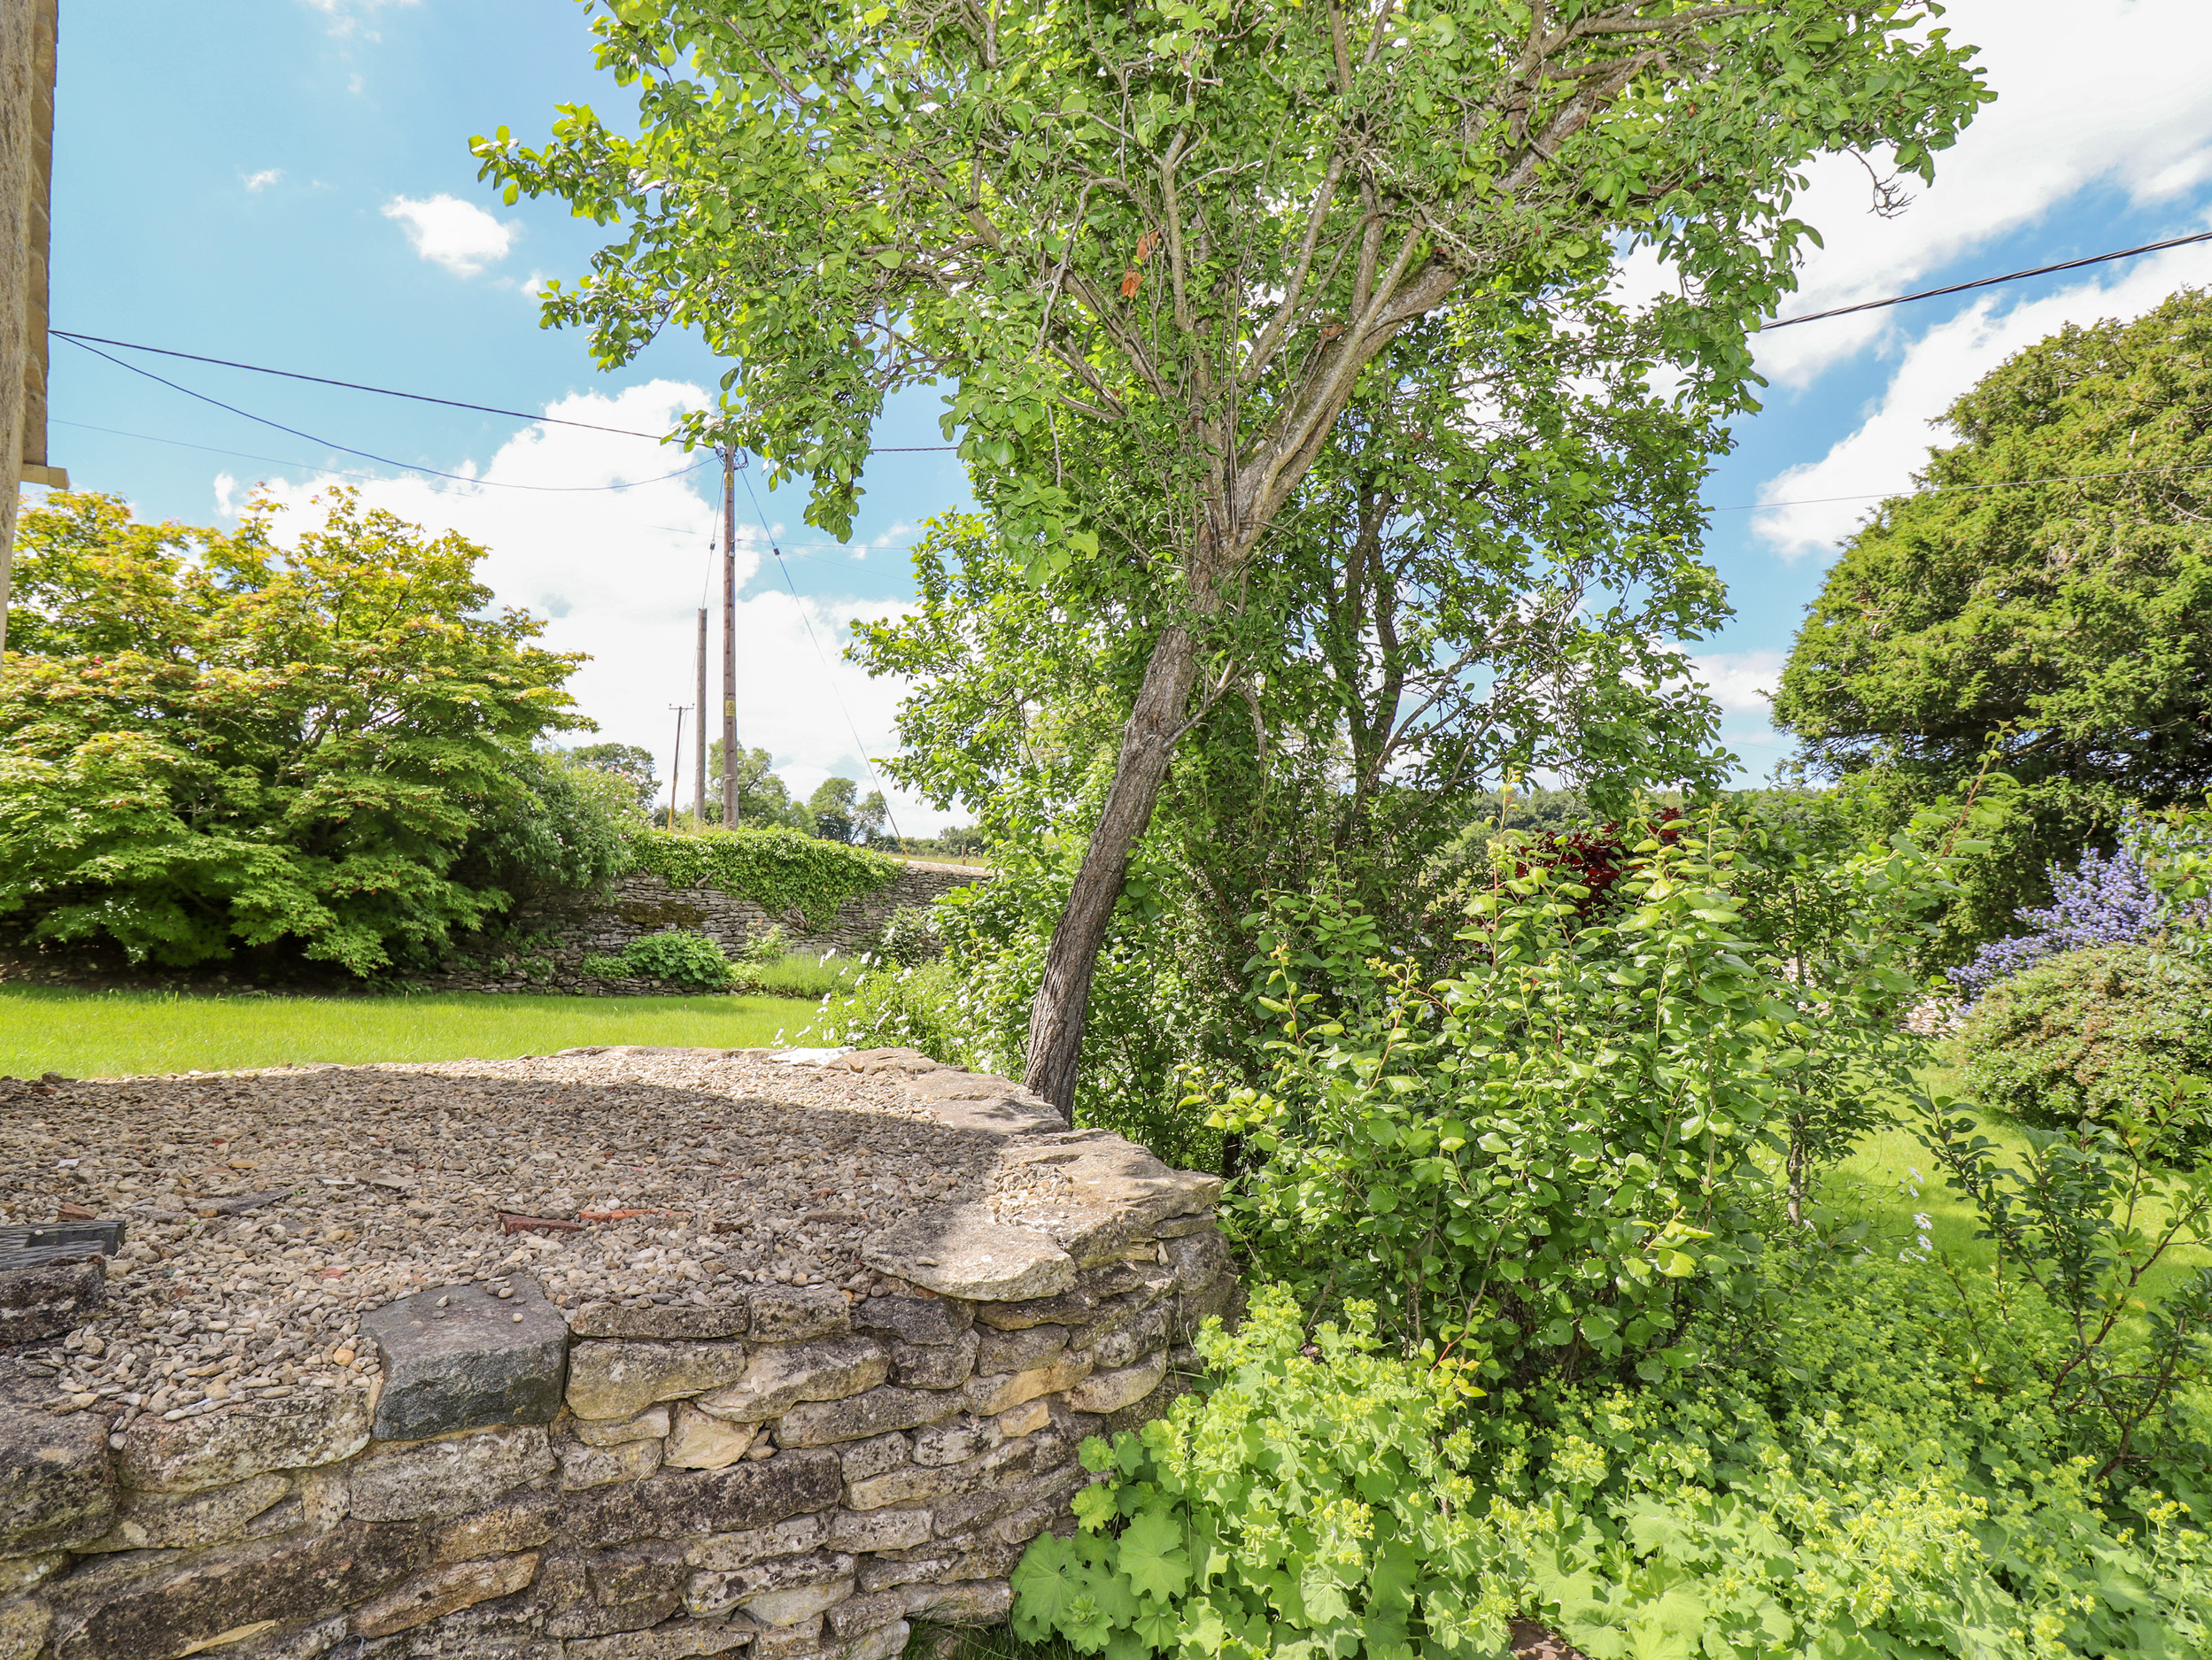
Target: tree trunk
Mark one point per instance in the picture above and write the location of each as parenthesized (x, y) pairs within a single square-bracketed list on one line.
[(1056, 1019)]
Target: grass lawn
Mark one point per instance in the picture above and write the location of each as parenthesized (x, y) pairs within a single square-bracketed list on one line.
[(107, 1034)]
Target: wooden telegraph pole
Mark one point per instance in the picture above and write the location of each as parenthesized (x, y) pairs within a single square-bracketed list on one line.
[(729, 636), (699, 735)]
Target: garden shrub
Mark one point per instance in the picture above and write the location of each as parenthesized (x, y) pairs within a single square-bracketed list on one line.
[(692, 961), (925, 1008), (2105, 900), (2082, 1033)]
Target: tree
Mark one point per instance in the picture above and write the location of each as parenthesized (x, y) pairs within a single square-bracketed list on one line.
[(871, 816), (2062, 629), (631, 762), (834, 807), (763, 798), (1176, 238), (213, 742)]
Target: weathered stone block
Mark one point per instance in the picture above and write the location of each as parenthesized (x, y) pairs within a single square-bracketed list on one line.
[(875, 1413), (874, 1456), (1200, 1261), (964, 1251), (244, 1441), (922, 1320), (984, 1603), (55, 1490), (950, 1443), (618, 1377), (863, 1532), (443, 1591), (167, 1613), (800, 1637), (300, 1643), (1066, 1308), (469, 1363), (678, 1640), (943, 1566), (880, 1644), (20, 1573), (701, 1442), (1177, 1227), (1132, 1334), (866, 1612), (958, 1515), (1011, 1389), (934, 1365), (52, 1298), (447, 1477), (792, 1314), (801, 1603), (710, 1592), (175, 1521), (1019, 1351), (651, 1424), (23, 1626), (784, 1375), (720, 1551), (521, 1522), (659, 1320), (1110, 1391), (583, 1466), (680, 1504)]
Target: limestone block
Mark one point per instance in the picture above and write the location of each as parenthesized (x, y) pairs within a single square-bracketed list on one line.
[(952, 1441), (620, 1377), (956, 1516), (172, 1611), (871, 1062), (709, 1592), (651, 1424), (872, 1457), (1019, 1351), (964, 1251), (784, 1375), (1139, 1331), (443, 1591), (447, 1477), (1072, 1307), (800, 1641), (468, 1363), (976, 1602), (299, 1642), (944, 1565), (722, 1551), (936, 1365), (50, 1298), (880, 1644), (879, 1411), (801, 1603), (913, 1483), (678, 1640), (20, 1573), (171, 1521), (701, 1442), (868, 1611), (659, 1320), (678, 1504), (1110, 1391), (924, 1320), (244, 1441), (1176, 1227), (521, 1522), (23, 1626), (1201, 1261), (792, 1314), (865, 1531), (583, 1466), (1011, 1389), (55, 1491)]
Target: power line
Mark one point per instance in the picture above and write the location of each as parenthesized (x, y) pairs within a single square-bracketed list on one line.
[(420, 397), (1989, 282), (367, 455)]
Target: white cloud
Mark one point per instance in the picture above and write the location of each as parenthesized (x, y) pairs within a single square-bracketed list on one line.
[(351, 19), (621, 574), (261, 181), (456, 235), (1891, 442), (2090, 93), (1741, 683)]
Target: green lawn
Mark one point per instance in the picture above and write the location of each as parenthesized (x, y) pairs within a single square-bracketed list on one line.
[(108, 1034)]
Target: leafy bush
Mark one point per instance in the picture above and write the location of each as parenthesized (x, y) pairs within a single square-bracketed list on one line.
[(1557, 1158), (2105, 900), (2086, 1033), (209, 742), (926, 1007), (680, 959), (1310, 1502), (780, 871), (911, 935)]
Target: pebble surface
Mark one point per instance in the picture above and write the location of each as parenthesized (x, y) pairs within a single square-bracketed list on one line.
[(268, 1210)]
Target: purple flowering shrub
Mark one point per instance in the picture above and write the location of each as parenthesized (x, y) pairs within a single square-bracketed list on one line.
[(2107, 899)]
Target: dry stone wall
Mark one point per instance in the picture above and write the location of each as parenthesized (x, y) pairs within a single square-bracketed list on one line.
[(799, 1471), (641, 904)]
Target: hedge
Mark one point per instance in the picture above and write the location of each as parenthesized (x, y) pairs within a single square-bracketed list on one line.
[(780, 871)]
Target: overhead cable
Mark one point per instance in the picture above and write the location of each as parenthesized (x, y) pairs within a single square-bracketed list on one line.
[(1989, 282)]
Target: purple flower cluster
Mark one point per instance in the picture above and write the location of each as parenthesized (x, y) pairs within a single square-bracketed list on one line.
[(2108, 899)]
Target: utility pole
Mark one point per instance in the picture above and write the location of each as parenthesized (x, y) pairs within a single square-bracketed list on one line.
[(676, 767), (729, 636), (699, 735)]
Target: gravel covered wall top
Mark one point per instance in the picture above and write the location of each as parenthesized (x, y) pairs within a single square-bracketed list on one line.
[(616, 1353)]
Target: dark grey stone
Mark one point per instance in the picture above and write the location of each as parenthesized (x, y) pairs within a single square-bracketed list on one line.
[(878, 1412), (788, 1314), (55, 1487), (922, 1320), (678, 1505), (39, 1302), (474, 1366)]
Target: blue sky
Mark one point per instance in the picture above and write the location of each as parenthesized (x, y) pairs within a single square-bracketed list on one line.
[(287, 182)]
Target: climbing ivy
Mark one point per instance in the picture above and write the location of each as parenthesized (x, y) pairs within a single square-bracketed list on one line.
[(780, 871)]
